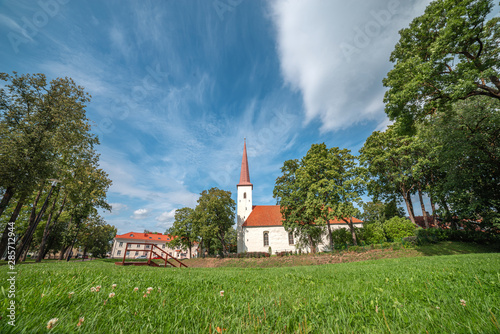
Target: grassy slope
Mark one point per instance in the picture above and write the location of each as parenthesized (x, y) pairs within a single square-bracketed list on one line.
[(400, 295)]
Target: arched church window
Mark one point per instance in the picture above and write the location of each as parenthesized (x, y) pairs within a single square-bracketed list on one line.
[(290, 238), (244, 195), (266, 238)]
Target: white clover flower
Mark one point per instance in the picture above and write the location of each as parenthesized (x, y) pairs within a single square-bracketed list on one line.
[(52, 322)]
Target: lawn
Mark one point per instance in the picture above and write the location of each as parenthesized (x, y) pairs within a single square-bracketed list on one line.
[(435, 294)]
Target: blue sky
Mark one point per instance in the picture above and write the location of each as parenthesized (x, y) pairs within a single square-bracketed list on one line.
[(177, 85)]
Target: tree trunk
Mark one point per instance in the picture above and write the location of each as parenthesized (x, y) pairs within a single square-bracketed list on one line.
[(409, 204), (433, 208), (46, 231), (330, 234), (313, 245), (422, 205), (9, 192), (12, 220), (353, 232), (26, 240), (190, 245)]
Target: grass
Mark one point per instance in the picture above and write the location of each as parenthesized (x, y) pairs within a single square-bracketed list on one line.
[(396, 295)]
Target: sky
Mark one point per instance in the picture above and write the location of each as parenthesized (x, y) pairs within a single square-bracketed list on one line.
[(177, 86)]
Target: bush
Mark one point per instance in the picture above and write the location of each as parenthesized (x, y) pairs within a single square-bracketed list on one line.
[(341, 236), (397, 228), (372, 233)]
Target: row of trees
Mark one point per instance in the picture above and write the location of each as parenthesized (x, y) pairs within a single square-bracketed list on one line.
[(49, 169), (210, 223), (443, 94)]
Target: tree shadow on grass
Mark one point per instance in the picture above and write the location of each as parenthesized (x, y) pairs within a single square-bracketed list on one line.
[(455, 247)]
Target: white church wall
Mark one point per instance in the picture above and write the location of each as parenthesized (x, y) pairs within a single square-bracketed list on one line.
[(278, 239)]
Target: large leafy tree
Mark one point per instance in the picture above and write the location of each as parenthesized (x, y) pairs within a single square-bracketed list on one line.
[(184, 229), (38, 122), (467, 146), (214, 215), (323, 186), (449, 53), (388, 158)]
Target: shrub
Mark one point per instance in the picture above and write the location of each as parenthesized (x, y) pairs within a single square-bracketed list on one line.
[(341, 236), (373, 233), (397, 228)]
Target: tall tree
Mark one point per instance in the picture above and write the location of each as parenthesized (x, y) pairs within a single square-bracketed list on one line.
[(214, 215), (323, 186), (467, 145), (388, 159), (449, 53), (184, 229), (38, 120)]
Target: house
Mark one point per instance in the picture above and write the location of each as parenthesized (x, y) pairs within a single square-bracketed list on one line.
[(142, 245), (260, 228)]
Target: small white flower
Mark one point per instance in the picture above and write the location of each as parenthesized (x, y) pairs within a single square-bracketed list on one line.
[(52, 322), (222, 293), (113, 286), (111, 295), (136, 289), (150, 289), (93, 289)]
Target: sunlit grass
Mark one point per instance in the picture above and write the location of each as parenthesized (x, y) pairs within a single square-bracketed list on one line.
[(406, 295)]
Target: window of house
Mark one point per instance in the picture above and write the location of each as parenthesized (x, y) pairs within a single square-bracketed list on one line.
[(128, 253), (163, 246), (138, 246), (147, 246), (136, 253), (290, 238), (132, 235), (121, 244), (119, 252), (266, 238), (150, 237)]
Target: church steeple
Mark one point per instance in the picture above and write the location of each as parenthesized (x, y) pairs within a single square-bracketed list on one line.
[(245, 173), (244, 201)]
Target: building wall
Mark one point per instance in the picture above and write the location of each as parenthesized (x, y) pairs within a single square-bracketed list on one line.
[(278, 239), (243, 208)]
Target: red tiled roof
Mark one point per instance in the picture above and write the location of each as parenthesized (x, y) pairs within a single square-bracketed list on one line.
[(245, 173), (270, 215), (145, 236)]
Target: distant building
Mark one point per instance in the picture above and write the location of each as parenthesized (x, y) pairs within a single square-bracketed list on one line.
[(260, 226), (142, 245)]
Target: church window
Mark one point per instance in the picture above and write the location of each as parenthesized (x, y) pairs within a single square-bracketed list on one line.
[(266, 238), (290, 238), (244, 195)]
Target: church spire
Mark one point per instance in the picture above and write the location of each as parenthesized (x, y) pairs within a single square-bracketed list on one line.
[(245, 174)]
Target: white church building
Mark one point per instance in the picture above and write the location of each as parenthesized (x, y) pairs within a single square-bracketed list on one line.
[(259, 227)]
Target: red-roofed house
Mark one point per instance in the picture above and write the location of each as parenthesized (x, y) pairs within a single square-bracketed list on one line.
[(145, 241), (260, 226)]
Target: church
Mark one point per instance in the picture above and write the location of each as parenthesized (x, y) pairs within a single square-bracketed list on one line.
[(259, 227)]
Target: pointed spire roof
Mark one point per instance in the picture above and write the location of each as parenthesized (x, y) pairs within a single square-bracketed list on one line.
[(245, 174)]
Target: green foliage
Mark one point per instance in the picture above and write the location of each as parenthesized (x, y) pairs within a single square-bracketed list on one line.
[(449, 53), (410, 295), (214, 216), (435, 235), (341, 236), (378, 211), (373, 233), (322, 186), (184, 229), (397, 228)]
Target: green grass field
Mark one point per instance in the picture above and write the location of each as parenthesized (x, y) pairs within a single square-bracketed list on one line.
[(400, 295)]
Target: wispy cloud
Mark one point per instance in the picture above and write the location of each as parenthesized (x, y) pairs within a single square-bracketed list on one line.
[(141, 214), (332, 54)]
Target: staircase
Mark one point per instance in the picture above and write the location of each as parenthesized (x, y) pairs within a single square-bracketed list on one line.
[(167, 259)]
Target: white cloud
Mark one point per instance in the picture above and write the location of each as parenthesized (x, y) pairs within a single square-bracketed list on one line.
[(166, 219), (116, 208), (141, 214), (332, 52)]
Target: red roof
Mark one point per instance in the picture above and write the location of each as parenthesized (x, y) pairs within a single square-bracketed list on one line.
[(270, 215), (158, 237), (245, 173)]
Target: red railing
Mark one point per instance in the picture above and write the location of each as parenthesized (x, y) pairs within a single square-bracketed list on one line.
[(162, 254)]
